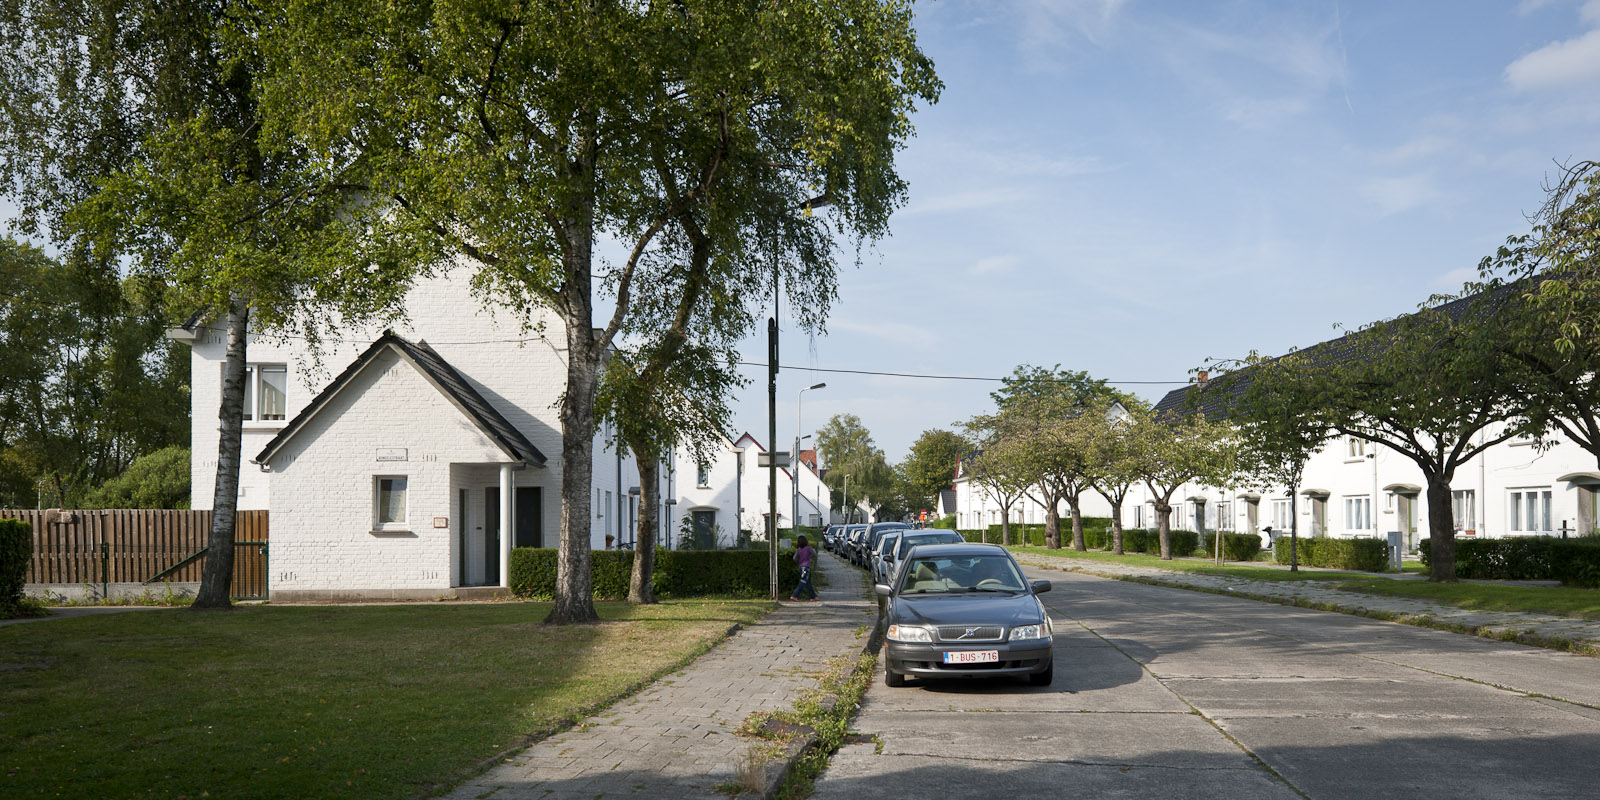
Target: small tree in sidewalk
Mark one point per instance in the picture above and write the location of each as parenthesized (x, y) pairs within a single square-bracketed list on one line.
[(1175, 449), (1114, 465)]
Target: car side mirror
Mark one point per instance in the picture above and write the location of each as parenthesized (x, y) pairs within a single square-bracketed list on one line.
[(1040, 587), (882, 590)]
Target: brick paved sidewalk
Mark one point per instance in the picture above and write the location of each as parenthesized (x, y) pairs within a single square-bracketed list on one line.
[(1544, 625), (676, 739)]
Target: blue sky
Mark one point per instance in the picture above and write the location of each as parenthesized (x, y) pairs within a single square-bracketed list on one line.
[(1130, 188)]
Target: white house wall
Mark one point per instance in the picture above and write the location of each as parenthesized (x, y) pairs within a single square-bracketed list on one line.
[(324, 533), (523, 382)]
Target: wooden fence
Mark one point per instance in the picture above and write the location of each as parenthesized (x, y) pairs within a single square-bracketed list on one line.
[(76, 546)]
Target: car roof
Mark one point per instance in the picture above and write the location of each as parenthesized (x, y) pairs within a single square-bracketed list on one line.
[(964, 549)]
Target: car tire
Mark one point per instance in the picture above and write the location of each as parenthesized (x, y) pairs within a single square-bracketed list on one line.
[(1042, 678), (892, 679)]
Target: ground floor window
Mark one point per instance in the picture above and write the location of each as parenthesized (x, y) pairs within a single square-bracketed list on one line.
[(1281, 515), (1529, 510), (1225, 515), (1464, 509), (1358, 513), (389, 502)]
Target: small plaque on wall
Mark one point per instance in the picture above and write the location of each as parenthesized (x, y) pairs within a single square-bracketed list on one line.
[(441, 522), (392, 454)]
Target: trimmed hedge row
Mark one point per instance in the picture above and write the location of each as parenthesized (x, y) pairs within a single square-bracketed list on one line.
[(16, 547), (1574, 562), (678, 573), (1235, 546), (1363, 555), (1184, 543), (1097, 536)]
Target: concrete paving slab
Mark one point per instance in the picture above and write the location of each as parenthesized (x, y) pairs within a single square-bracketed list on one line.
[(856, 773)]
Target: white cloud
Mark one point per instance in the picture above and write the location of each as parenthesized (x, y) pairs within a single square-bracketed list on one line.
[(1049, 29), (1418, 147), (1572, 62), (1452, 281), (900, 333), (1251, 113), (1403, 193), (993, 265), (964, 201)]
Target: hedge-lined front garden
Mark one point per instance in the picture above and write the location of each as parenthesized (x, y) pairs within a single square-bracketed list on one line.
[(1365, 555), (16, 547), (678, 573), (1096, 536), (1235, 546), (1574, 562)]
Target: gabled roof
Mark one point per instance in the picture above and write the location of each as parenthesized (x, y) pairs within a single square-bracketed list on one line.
[(438, 372), (1215, 404)]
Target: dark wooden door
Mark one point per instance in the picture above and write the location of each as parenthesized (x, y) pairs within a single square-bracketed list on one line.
[(491, 536), (530, 517)]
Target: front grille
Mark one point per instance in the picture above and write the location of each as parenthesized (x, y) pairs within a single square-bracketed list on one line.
[(973, 633)]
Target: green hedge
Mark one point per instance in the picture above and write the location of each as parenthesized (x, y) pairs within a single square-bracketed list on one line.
[(946, 523), (678, 573), (1235, 546), (1574, 562), (16, 547), (1135, 540), (1364, 555)]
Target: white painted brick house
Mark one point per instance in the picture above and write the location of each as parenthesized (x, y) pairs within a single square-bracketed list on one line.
[(414, 470)]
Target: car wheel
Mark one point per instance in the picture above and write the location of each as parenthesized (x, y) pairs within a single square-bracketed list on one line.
[(892, 679), (1043, 678)]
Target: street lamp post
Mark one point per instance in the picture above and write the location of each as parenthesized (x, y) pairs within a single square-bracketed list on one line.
[(794, 457), (847, 498)]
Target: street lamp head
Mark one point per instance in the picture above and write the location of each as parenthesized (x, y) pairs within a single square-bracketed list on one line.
[(818, 386)]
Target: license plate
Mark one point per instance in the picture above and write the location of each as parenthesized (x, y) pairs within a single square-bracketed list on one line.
[(972, 657)]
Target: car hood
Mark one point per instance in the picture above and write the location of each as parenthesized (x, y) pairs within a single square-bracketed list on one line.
[(966, 609)]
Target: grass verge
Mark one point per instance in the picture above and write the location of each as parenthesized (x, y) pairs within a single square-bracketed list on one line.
[(1562, 601), (1196, 565), (327, 701)]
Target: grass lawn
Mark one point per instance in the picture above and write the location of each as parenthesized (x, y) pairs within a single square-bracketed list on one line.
[(1232, 569), (1558, 600), (327, 701)]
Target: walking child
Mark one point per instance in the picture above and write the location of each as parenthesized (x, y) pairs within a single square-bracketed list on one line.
[(804, 555)]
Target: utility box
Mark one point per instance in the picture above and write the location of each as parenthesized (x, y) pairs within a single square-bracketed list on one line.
[(1396, 541)]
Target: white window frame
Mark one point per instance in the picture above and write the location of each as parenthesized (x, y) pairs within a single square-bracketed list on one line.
[(253, 394), (1528, 509), (1281, 515), (702, 475), (378, 521), (1355, 448), (1464, 509), (1225, 515), (1358, 512)]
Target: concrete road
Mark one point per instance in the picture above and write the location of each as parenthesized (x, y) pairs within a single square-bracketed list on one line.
[(1164, 693)]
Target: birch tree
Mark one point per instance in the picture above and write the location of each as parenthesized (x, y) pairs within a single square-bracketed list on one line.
[(514, 138)]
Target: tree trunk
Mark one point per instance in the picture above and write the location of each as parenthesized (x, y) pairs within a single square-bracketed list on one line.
[(1075, 509), (1441, 531), (574, 600), (1116, 526), (640, 589), (1294, 527), (1164, 528), (1052, 526), (216, 577), (1005, 526)]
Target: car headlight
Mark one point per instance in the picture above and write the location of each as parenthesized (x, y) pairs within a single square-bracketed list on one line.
[(1030, 632), (909, 633)]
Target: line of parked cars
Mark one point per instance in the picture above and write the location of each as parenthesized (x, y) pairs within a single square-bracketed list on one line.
[(953, 609)]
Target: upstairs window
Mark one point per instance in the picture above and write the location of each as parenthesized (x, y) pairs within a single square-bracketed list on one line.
[(702, 475), (266, 392), (1355, 448)]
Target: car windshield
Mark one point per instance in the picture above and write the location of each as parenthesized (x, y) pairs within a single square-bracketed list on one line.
[(908, 542), (981, 573)]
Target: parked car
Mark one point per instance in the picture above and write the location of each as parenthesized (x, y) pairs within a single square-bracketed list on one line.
[(830, 537), (887, 543), (870, 544), (852, 540), (965, 611), (910, 539)]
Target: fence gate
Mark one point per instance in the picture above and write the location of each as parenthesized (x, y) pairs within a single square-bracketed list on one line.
[(250, 570)]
